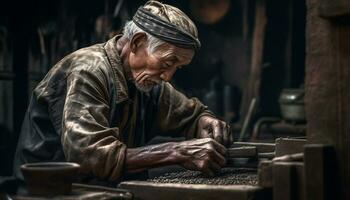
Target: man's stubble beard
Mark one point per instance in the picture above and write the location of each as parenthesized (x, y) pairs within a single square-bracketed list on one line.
[(144, 88), (147, 88)]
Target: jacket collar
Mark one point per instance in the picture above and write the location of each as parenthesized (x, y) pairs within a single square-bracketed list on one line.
[(117, 67)]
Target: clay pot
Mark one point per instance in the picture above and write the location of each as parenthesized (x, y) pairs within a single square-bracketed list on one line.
[(49, 178), (292, 105)]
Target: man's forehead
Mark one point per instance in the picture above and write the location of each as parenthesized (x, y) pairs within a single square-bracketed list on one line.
[(172, 51)]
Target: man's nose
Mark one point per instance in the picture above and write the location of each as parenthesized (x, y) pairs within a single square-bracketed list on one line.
[(167, 75)]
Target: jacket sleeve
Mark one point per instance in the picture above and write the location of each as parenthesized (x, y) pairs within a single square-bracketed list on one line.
[(87, 137), (178, 115)]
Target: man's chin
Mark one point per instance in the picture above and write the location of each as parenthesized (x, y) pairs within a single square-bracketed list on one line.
[(144, 88)]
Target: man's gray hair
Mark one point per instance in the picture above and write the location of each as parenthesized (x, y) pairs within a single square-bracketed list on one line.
[(168, 13), (130, 29)]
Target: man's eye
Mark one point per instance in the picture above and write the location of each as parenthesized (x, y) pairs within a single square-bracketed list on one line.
[(167, 65)]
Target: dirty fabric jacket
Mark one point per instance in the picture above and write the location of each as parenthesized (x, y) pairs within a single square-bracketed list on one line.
[(84, 111)]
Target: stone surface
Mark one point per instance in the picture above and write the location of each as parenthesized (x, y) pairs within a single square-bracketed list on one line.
[(227, 176)]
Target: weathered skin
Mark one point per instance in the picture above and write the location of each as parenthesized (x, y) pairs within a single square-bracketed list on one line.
[(207, 153), (210, 127), (204, 154)]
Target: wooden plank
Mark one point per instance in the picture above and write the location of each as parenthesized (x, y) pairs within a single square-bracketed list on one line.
[(283, 181), (300, 174), (143, 190), (248, 152), (289, 157), (286, 146), (288, 181), (265, 175), (268, 155), (320, 172), (242, 152), (261, 147)]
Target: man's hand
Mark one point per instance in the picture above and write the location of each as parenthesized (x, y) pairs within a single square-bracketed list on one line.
[(210, 127), (205, 155)]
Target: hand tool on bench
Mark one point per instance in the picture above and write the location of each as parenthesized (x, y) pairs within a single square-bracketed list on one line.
[(248, 152)]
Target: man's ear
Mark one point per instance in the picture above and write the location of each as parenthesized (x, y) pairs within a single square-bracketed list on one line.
[(137, 41)]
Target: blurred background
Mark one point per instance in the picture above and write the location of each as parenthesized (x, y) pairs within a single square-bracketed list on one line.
[(251, 66)]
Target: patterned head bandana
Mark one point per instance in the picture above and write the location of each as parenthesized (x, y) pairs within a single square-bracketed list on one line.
[(162, 29)]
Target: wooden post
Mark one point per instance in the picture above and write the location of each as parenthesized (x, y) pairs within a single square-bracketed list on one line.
[(253, 84), (327, 87)]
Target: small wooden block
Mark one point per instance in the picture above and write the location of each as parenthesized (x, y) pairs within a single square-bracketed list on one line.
[(265, 175), (286, 146), (242, 152)]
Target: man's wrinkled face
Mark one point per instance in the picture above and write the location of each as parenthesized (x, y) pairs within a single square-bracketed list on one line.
[(149, 70)]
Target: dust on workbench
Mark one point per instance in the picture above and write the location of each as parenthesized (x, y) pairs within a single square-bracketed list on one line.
[(227, 176)]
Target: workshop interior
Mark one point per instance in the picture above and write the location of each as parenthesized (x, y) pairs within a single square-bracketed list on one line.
[(276, 71)]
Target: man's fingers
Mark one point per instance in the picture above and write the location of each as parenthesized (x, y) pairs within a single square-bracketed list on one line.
[(204, 134), (215, 167), (219, 147), (140, 76), (212, 169), (219, 159), (144, 78), (225, 135), (217, 131), (230, 135), (208, 172)]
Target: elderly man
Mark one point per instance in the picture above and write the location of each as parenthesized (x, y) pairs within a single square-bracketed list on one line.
[(100, 105)]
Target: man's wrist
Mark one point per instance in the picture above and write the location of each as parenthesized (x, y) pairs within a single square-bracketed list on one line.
[(178, 154)]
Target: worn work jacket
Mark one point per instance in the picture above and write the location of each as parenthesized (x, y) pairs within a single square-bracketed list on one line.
[(83, 111)]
